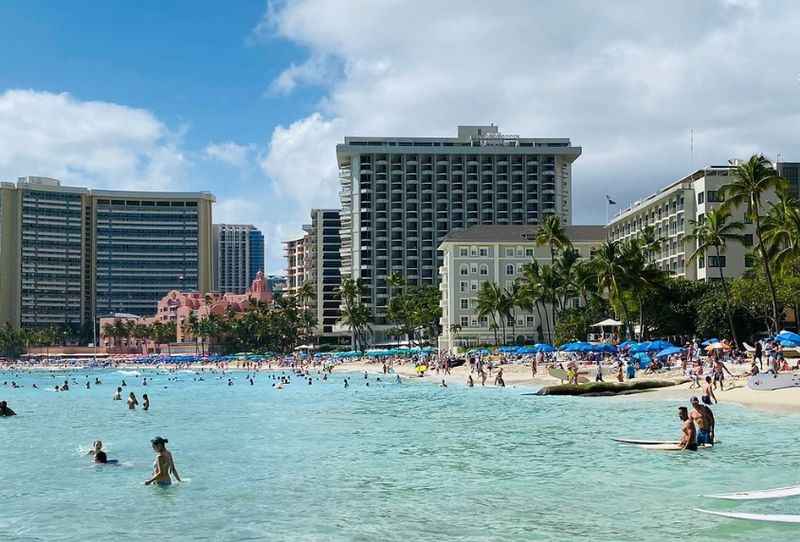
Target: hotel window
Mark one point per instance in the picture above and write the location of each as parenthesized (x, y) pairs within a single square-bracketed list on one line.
[(473, 268), (747, 239), (509, 252), (483, 321), (463, 270), (700, 198), (463, 252), (520, 252), (701, 262), (484, 252), (465, 304), (714, 196), (530, 321), (529, 252), (474, 322), (716, 261), (510, 269), (462, 286), (473, 286), (484, 270), (473, 251), (464, 321)]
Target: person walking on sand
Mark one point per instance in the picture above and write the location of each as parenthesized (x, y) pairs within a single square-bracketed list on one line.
[(719, 373), (482, 374), (498, 381), (164, 464), (132, 402), (598, 377)]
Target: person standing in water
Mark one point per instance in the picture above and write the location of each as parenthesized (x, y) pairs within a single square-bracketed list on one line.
[(164, 464), (145, 402), (132, 402), (5, 410), (118, 395)]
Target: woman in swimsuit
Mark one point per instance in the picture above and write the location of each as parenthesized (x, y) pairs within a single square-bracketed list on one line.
[(164, 464)]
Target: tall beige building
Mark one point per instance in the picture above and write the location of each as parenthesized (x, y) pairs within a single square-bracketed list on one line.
[(69, 255)]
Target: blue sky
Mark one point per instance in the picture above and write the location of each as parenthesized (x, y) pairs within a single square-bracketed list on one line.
[(247, 99)]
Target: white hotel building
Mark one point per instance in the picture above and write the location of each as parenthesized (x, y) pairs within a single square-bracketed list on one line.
[(495, 253), (670, 212)]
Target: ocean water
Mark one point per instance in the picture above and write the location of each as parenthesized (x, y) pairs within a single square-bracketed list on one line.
[(387, 462)]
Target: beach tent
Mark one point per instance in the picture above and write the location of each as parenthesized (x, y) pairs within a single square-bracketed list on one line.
[(669, 351), (608, 322)]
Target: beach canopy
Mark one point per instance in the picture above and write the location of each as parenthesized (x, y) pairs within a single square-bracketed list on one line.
[(672, 350), (788, 336), (608, 322)]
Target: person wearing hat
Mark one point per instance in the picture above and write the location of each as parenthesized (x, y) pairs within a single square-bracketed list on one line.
[(164, 464), (704, 419)]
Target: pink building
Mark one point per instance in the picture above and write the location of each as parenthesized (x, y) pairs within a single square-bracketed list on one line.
[(179, 306)]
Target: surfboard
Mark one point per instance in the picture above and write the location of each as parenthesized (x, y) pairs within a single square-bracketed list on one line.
[(560, 374), (776, 493), (768, 381), (670, 447), (642, 441), (774, 518)]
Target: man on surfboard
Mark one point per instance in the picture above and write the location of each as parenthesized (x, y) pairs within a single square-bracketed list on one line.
[(688, 434)]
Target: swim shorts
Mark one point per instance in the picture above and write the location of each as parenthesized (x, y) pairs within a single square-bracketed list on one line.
[(703, 437)]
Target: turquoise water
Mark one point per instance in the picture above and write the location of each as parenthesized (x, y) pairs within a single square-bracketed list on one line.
[(387, 462)]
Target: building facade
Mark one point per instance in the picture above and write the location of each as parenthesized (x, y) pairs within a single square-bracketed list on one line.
[(496, 254), (401, 196), (72, 254), (672, 213), (296, 271), (791, 172), (238, 256)]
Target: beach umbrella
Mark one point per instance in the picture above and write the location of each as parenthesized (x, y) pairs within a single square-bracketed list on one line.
[(660, 345), (528, 349), (626, 344), (643, 359), (605, 347), (788, 336), (718, 346), (669, 351), (709, 341), (544, 347)]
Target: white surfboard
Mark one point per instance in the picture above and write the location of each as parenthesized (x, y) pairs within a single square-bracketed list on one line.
[(774, 518), (643, 441), (769, 381), (776, 493), (671, 447)]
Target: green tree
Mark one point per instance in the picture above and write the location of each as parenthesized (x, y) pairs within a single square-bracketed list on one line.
[(713, 235), (752, 180)]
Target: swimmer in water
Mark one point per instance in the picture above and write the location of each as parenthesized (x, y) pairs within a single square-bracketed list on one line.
[(132, 402), (118, 395), (5, 410), (145, 402), (164, 464), (98, 453)]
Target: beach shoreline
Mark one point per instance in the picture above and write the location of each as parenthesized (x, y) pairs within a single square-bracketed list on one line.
[(515, 376)]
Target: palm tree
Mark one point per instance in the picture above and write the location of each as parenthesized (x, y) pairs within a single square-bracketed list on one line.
[(455, 329), (640, 277), (193, 327), (489, 304), (780, 231), (650, 244), (533, 293), (713, 234), (552, 234), (752, 180), (305, 293), (610, 269), (355, 314)]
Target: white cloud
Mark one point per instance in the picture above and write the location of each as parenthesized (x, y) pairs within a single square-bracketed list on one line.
[(230, 153), (91, 143), (317, 70), (625, 80)]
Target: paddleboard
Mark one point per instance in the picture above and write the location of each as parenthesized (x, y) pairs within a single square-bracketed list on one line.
[(641, 441), (774, 518), (671, 447), (768, 381), (560, 374), (777, 493)]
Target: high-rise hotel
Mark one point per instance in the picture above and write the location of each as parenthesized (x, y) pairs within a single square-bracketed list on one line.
[(238, 256), (69, 255), (401, 195)]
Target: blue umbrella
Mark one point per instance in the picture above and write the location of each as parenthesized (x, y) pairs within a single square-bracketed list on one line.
[(709, 341), (643, 359), (627, 344), (660, 345), (544, 347), (788, 336), (640, 347), (669, 351), (605, 347)]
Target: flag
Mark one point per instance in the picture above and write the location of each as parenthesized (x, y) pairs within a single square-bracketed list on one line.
[(610, 201)]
